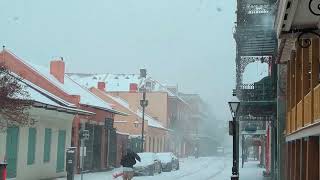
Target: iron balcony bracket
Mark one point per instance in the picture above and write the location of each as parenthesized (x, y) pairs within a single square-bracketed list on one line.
[(305, 43), (312, 11)]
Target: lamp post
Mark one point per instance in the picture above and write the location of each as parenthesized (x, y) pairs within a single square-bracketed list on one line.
[(144, 104), (234, 106)]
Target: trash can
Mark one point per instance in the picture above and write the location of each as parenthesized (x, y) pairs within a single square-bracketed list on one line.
[(3, 171), (70, 162)]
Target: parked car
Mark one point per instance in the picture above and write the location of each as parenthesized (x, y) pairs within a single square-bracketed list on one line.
[(168, 161), (149, 165)]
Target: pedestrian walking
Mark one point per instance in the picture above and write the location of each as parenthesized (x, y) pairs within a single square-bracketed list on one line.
[(127, 162)]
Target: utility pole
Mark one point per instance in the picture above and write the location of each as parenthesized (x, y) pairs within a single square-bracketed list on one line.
[(144, 104)]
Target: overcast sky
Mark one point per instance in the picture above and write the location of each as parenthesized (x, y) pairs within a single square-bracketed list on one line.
[(185, 42)]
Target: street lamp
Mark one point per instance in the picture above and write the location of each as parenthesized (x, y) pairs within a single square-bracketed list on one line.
[(144, 104), (234, 107)]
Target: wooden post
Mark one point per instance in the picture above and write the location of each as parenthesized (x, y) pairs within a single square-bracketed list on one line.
[(303, 171), (313, 158), (297, 159), (288, 98), (293, 92), (314, 72), (298, 84), (305, 80)]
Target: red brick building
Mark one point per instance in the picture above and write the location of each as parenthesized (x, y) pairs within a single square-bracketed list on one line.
[(54, 80)]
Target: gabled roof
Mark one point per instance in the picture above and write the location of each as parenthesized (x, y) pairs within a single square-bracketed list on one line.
[(69, 86)]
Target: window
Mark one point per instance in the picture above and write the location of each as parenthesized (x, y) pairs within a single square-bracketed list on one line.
[(31, 146), (47, 145)]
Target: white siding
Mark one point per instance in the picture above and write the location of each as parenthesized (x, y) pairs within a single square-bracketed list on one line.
[(40, 169)]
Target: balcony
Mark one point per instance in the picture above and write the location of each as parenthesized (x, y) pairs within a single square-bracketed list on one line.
[(305, 113), (316, 104), (259, 91)]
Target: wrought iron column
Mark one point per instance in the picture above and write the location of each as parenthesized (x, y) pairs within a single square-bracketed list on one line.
[(235, 163)]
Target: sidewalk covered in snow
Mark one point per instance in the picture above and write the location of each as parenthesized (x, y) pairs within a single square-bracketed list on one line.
[(251, 171)]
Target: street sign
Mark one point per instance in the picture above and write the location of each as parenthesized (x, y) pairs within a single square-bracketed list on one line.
[(84, 134), (144, 103), (83, 151)]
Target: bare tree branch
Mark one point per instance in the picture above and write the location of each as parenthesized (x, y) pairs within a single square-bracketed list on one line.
[(13, 101)]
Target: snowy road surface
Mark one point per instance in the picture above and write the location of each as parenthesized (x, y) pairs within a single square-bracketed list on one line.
[(204, 168)]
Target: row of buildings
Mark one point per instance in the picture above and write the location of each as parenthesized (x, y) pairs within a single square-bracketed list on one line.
[(285, 34), (63, 104)]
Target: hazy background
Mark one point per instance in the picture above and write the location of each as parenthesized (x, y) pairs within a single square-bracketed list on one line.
[(185, 42)]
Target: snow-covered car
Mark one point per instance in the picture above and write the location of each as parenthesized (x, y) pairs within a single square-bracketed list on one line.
[(168, 161), (149, 165)]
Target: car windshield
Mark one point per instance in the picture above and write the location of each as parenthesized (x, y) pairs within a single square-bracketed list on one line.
[(147, 157)]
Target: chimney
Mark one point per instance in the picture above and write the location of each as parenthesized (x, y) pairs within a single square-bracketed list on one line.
[(102, 86), (57, 69), (133, 87)]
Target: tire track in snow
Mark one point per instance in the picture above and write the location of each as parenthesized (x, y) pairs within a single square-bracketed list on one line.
[(221, 170), (202, 167)]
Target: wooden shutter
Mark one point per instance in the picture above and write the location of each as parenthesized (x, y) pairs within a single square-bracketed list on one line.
[(47, 145), (31, 146)]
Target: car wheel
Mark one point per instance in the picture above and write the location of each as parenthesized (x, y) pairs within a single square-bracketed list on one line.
[(170, 167), (151, 172)]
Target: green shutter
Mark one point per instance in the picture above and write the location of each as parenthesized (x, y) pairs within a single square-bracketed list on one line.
[(61, 150), (47, 145), (12, 151), (31, 146)]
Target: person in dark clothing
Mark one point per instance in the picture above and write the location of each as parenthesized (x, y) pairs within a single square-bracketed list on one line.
[(127, 161)]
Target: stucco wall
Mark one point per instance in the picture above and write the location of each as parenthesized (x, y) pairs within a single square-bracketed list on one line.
[(158, 103), (40, 170)]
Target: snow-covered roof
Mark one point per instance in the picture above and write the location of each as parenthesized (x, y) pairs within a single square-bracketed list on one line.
[(69, 86), (121, 82), (151, 121), (114, 82), (39, 95)]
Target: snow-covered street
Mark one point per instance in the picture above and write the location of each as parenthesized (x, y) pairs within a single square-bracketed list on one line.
[(204, 168)]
